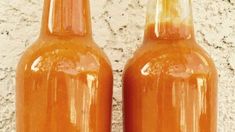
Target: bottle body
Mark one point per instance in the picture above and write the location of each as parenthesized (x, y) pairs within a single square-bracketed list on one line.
[(64, 80), (170, 88), (170, 84), (63, 85)]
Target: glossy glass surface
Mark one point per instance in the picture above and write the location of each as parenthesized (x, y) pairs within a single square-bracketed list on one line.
[(170, 84), (66, 18), (64, 81)]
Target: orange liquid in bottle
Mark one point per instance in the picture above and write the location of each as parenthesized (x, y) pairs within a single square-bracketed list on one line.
[(170, 85), (64, 81)]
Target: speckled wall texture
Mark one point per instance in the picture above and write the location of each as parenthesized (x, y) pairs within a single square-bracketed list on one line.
[(118, 28)]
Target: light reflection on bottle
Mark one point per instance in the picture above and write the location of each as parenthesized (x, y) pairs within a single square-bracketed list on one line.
[(68, 17)]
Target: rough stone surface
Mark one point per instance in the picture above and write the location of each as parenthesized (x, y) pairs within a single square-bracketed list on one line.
[(118, 28)]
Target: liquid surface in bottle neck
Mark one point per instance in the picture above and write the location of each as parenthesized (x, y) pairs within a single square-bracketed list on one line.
[(66, 18), (169, 20)]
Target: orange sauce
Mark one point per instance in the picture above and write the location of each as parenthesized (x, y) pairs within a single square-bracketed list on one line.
[(64, 81), (170, 84)]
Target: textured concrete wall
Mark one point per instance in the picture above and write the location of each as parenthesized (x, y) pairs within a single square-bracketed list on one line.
[(118, 28)]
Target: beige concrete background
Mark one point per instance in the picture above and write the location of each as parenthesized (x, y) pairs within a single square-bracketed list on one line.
[(118, 28)]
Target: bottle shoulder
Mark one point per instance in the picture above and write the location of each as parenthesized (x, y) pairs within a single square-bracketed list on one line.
[(69, 56), (178, 59)]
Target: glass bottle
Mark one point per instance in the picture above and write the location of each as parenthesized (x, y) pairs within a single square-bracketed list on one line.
[(170, 84), (64, 81)]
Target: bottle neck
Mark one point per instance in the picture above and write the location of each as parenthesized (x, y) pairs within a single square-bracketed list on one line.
[(169, 20), (66, 18)]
